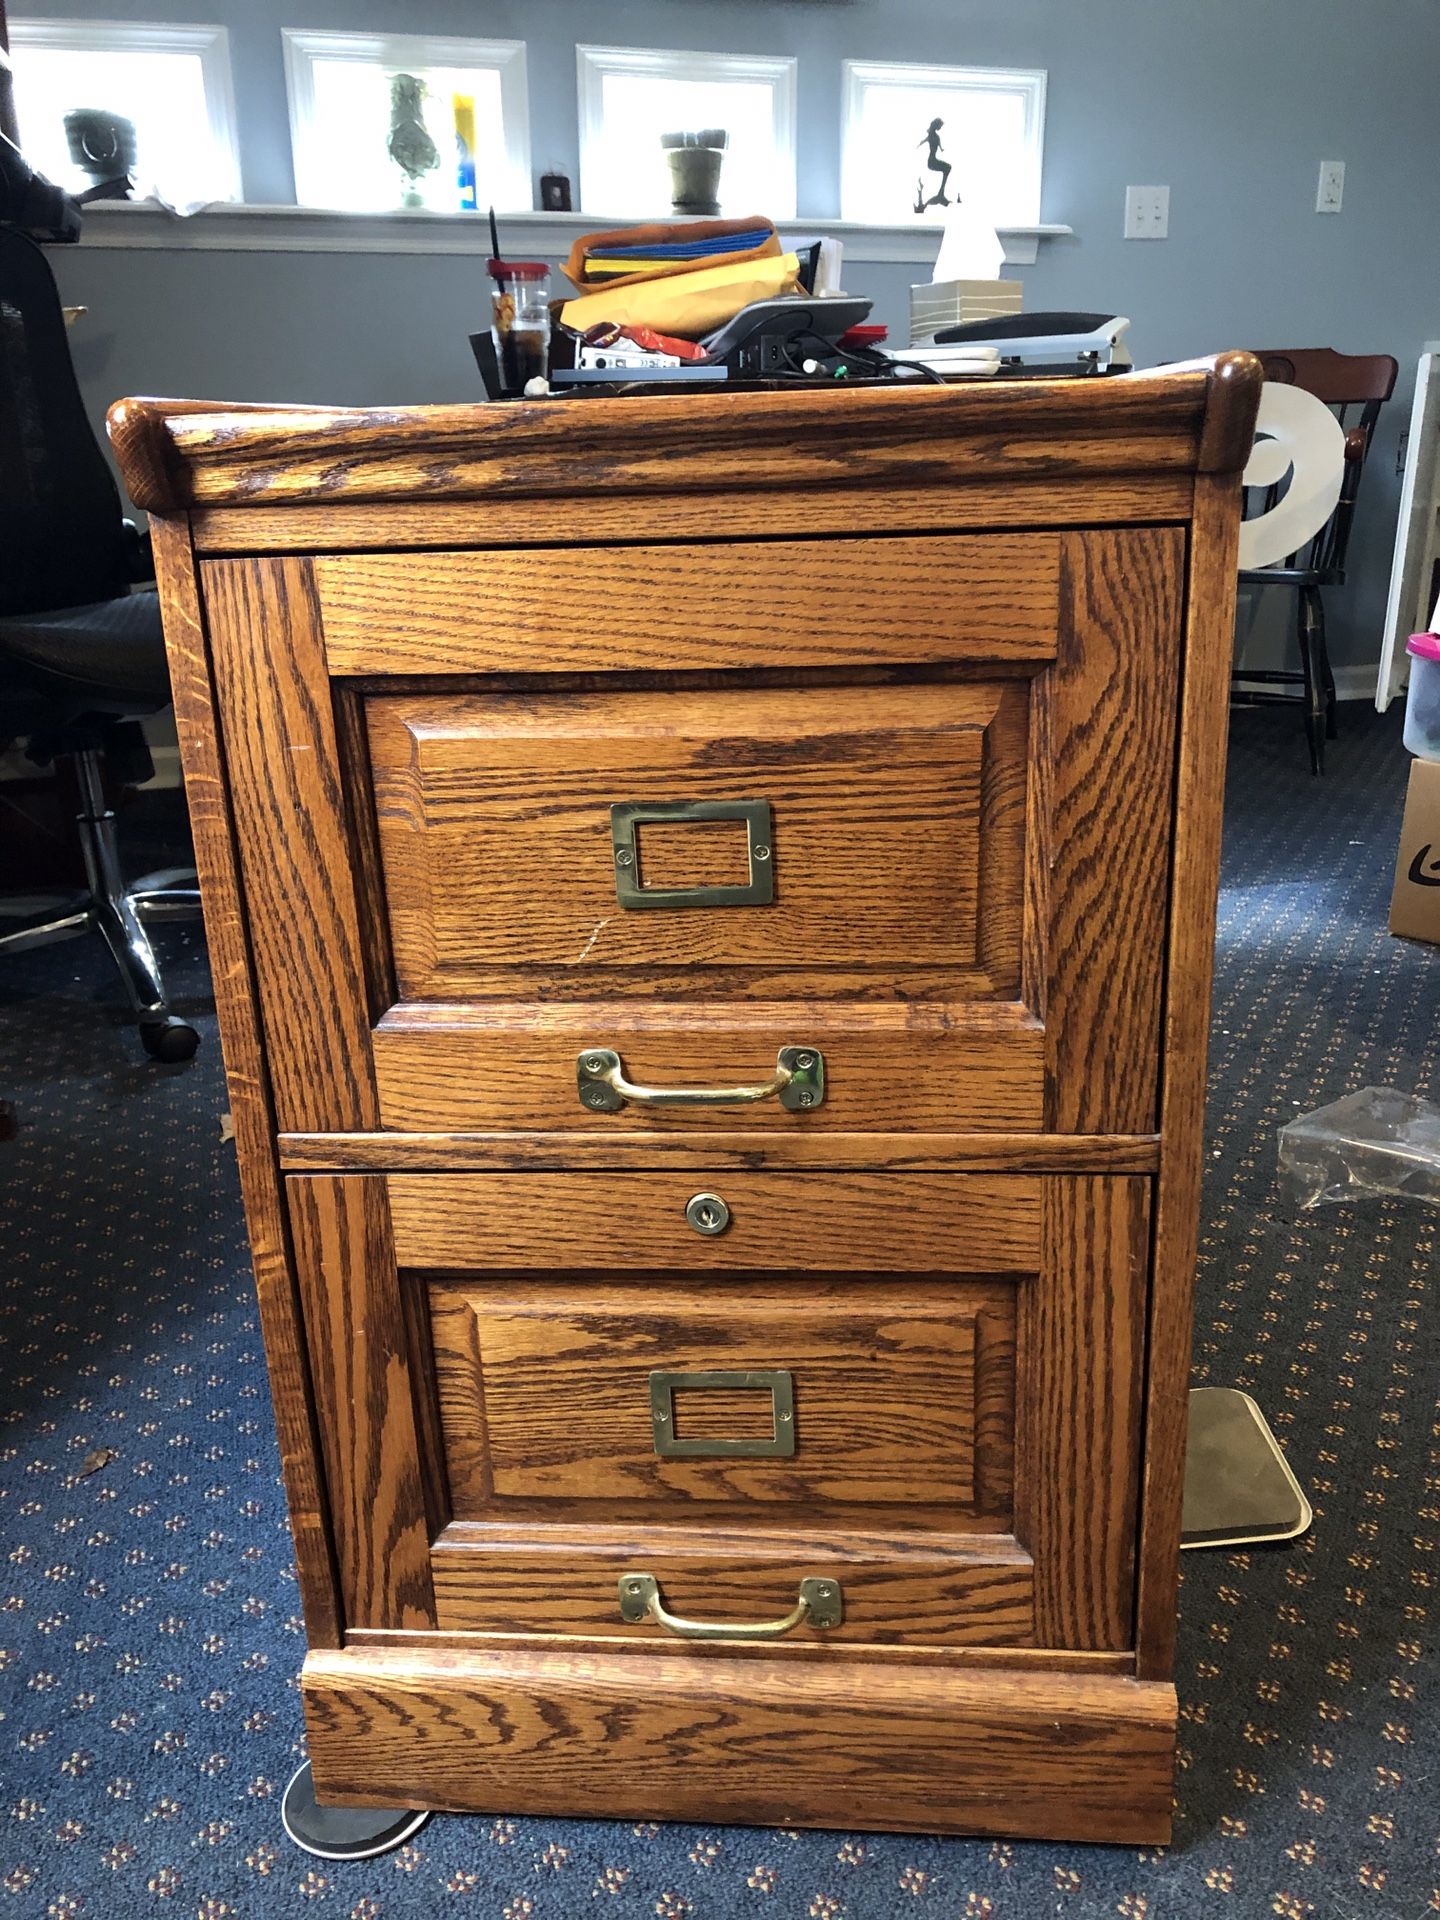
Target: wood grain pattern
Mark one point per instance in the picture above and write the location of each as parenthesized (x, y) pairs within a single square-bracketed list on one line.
[(366, 1390), (544, 1393), (903, 1585), (139, 433), (1112, 724), (837, 602), (790, 439), (891, 809), (247, 1080), (989, 709), (780, 1223), (1082, 1344), (1195, 878), (833, 1152), (931, 1066), (988, 503), (526, 1733), (295, 846)]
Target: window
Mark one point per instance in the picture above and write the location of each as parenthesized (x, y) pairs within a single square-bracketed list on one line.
[(912, 134), (342, 96), (629, 96), (173, 82)]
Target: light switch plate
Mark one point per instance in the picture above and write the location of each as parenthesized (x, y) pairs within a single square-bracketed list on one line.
[(1147, 213), (1331, 191)]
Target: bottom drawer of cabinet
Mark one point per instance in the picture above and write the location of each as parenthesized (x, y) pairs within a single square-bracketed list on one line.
[(808, 1440), (715, 1581)]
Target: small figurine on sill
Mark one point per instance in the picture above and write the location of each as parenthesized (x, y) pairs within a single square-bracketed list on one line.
[(933, 164), (410, 145)]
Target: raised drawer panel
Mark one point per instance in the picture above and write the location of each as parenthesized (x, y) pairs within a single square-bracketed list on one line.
[(838, 602), (873, 1393), (891, 853)]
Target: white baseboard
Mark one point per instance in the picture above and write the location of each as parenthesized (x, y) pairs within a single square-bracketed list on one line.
[(1357, 683)]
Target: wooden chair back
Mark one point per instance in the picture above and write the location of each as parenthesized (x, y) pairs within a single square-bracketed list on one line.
[(1354, 386)]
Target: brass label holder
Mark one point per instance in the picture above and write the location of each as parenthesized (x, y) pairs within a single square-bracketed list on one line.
[(628, 816), (778, 1384)]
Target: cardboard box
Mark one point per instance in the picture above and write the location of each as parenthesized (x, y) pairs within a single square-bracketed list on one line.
[(1415, 903)]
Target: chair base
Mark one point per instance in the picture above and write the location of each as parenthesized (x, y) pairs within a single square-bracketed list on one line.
[(118, 912)]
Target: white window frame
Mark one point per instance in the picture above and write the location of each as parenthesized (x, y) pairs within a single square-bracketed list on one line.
[(402, 51), (860, 74), (593, 63), (146, 36)]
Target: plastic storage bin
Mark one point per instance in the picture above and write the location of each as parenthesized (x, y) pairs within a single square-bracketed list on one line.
[(1422, 703)]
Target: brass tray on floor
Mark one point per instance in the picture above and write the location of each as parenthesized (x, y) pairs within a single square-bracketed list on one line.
[(1239, 1490)]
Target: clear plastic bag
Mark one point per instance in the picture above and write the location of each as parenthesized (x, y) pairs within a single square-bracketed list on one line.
[(1376, 1141)]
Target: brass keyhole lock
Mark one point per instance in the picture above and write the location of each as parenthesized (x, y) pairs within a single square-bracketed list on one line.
[(707, 1213)]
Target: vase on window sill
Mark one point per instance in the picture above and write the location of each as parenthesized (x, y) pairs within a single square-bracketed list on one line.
[(695, 160)]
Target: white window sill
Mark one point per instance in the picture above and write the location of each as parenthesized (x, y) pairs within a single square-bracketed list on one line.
[(232, 228)]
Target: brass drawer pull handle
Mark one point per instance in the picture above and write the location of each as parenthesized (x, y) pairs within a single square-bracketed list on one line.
[(820, 1604), (798, 1080)]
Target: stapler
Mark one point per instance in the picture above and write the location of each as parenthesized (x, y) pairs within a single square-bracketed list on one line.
[(1039, 343)]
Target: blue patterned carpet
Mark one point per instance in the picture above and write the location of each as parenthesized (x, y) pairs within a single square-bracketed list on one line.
[(149, 1638)]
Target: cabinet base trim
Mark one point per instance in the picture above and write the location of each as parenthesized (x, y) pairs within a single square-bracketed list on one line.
[(682, 1736)]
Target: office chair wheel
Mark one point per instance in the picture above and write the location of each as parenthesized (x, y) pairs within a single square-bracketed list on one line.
[(169, 1040)]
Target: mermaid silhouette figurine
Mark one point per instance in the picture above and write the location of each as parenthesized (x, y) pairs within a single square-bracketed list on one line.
[(933, 164)]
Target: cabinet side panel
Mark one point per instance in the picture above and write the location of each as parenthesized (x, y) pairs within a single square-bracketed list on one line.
[(1113, 696), (1195, 879), (1077, 1474), (296, 856), (248, 1080), (366, 1398)]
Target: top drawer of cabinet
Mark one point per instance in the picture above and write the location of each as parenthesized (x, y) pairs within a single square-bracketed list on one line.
[(787, 603), (891, 812)]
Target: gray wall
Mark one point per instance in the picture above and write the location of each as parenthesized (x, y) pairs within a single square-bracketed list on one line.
[(1233, 103)]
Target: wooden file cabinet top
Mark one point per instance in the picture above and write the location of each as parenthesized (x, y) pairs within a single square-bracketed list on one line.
[(711, 906)]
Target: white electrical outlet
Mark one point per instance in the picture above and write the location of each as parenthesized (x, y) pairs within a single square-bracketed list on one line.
[(1331, 190), (1147, 213)]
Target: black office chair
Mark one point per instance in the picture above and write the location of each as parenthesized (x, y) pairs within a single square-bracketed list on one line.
[(82, 658)]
